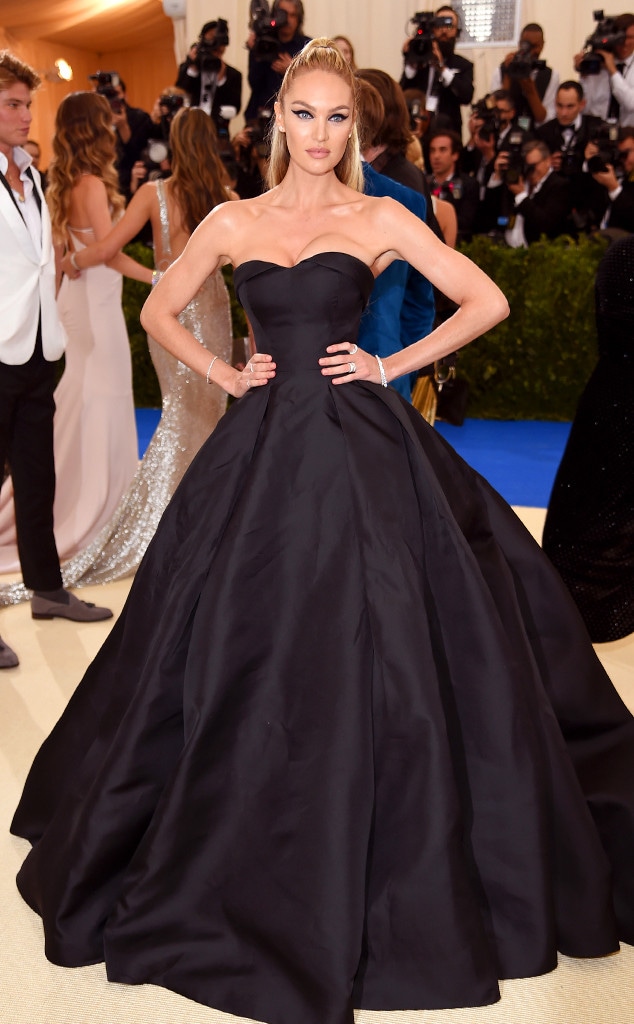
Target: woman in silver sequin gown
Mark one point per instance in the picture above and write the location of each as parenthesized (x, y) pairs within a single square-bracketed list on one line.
[(190, 407)]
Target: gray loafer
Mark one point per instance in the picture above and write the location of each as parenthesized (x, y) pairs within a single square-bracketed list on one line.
[(75, 610), (8, 658)]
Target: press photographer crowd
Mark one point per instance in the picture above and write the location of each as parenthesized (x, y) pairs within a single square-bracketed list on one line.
[(542, 153)]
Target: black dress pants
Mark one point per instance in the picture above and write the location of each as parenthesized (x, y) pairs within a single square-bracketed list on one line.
[(27, 407)]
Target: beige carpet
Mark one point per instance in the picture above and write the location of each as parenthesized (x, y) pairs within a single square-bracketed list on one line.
[(32, 991)]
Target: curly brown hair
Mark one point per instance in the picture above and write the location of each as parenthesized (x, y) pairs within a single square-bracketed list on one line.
[(199, 180), (84, 143)]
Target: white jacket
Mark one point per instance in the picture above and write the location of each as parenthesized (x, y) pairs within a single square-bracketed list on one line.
[(27, 285)]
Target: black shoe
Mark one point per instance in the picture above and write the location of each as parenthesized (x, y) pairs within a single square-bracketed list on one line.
[(75, 610), (8, 658)]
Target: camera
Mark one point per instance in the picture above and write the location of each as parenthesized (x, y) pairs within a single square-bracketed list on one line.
[(606, 36), (485, 110), (522, 63), (266, 26), (156, 151), (107, 82), (207, 57), (606, 137), (515, 165), (260, 134), (420, 52)]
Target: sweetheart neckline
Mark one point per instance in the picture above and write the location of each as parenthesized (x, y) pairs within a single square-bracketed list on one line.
[(315, 255)]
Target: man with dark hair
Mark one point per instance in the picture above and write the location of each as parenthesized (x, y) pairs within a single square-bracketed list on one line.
[(447, 183), (448, 81), (567, 136), (212, 84), (31, 341), (265, 75), (532, 84), (610, 94)]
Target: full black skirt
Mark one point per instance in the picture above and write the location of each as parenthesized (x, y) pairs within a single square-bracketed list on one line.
[(348, 743)]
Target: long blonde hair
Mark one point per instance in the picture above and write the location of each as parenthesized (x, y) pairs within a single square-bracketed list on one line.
[(84, 143), (318, 55)]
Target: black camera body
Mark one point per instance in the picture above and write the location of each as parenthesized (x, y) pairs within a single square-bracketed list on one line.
[(515, 166), (207, 56), (522, 64), (265, 26), (485, 110), (420, 52), (606, 36), (606, 137), (107, 81), (260, 133)]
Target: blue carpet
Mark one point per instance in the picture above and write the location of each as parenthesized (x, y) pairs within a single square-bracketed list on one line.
[(518, 457)]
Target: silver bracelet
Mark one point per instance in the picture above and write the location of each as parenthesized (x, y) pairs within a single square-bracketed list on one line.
[(207, 378), (73, 262), (382, 372)]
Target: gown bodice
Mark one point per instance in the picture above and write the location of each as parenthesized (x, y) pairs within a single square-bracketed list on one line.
[(296, 312)]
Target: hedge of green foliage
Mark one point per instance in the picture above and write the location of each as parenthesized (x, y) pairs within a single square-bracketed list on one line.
[(535, 364), (532, 366)]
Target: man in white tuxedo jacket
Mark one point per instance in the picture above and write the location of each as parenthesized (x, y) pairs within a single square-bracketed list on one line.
[(31, 341)]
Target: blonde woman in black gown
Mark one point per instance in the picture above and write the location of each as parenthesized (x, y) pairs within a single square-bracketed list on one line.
[(347, 744)]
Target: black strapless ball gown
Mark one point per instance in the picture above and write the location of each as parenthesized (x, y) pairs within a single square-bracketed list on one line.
[(348, 743)]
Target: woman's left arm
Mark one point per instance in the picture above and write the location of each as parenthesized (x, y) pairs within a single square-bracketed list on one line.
[(481, 304)]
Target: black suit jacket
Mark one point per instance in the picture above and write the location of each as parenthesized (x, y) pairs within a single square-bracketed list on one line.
[(463, 194), (587, 198), (546, 213), (621, 213), (229, 94), (450, 97)]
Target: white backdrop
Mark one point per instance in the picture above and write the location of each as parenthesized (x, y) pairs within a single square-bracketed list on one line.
[(377, 29)]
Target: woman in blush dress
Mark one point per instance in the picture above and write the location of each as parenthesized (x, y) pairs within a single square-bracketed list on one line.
[(348, 744), (96, 453), (190, 406)]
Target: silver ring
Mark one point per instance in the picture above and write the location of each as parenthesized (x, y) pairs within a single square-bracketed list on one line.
[(248, 383), (353, 367), (251, 370), (355, 348)]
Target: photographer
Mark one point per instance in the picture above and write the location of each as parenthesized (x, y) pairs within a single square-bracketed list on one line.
[(444, 77), (132, 125), (617, 180), (539, 203), (567, 136), (608, 80), (252, 149), (529, 80), (271, 49), (211, 84)]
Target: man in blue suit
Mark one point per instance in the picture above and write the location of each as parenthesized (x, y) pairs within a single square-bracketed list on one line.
[(401, 307)]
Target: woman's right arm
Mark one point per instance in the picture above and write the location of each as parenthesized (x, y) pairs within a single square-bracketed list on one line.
[(205, 252)]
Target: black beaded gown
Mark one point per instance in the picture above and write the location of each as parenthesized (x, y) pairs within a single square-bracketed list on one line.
[(348, 743), (589, 528)]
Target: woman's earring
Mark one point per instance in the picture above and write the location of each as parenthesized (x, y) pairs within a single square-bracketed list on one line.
[(280, 128)]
